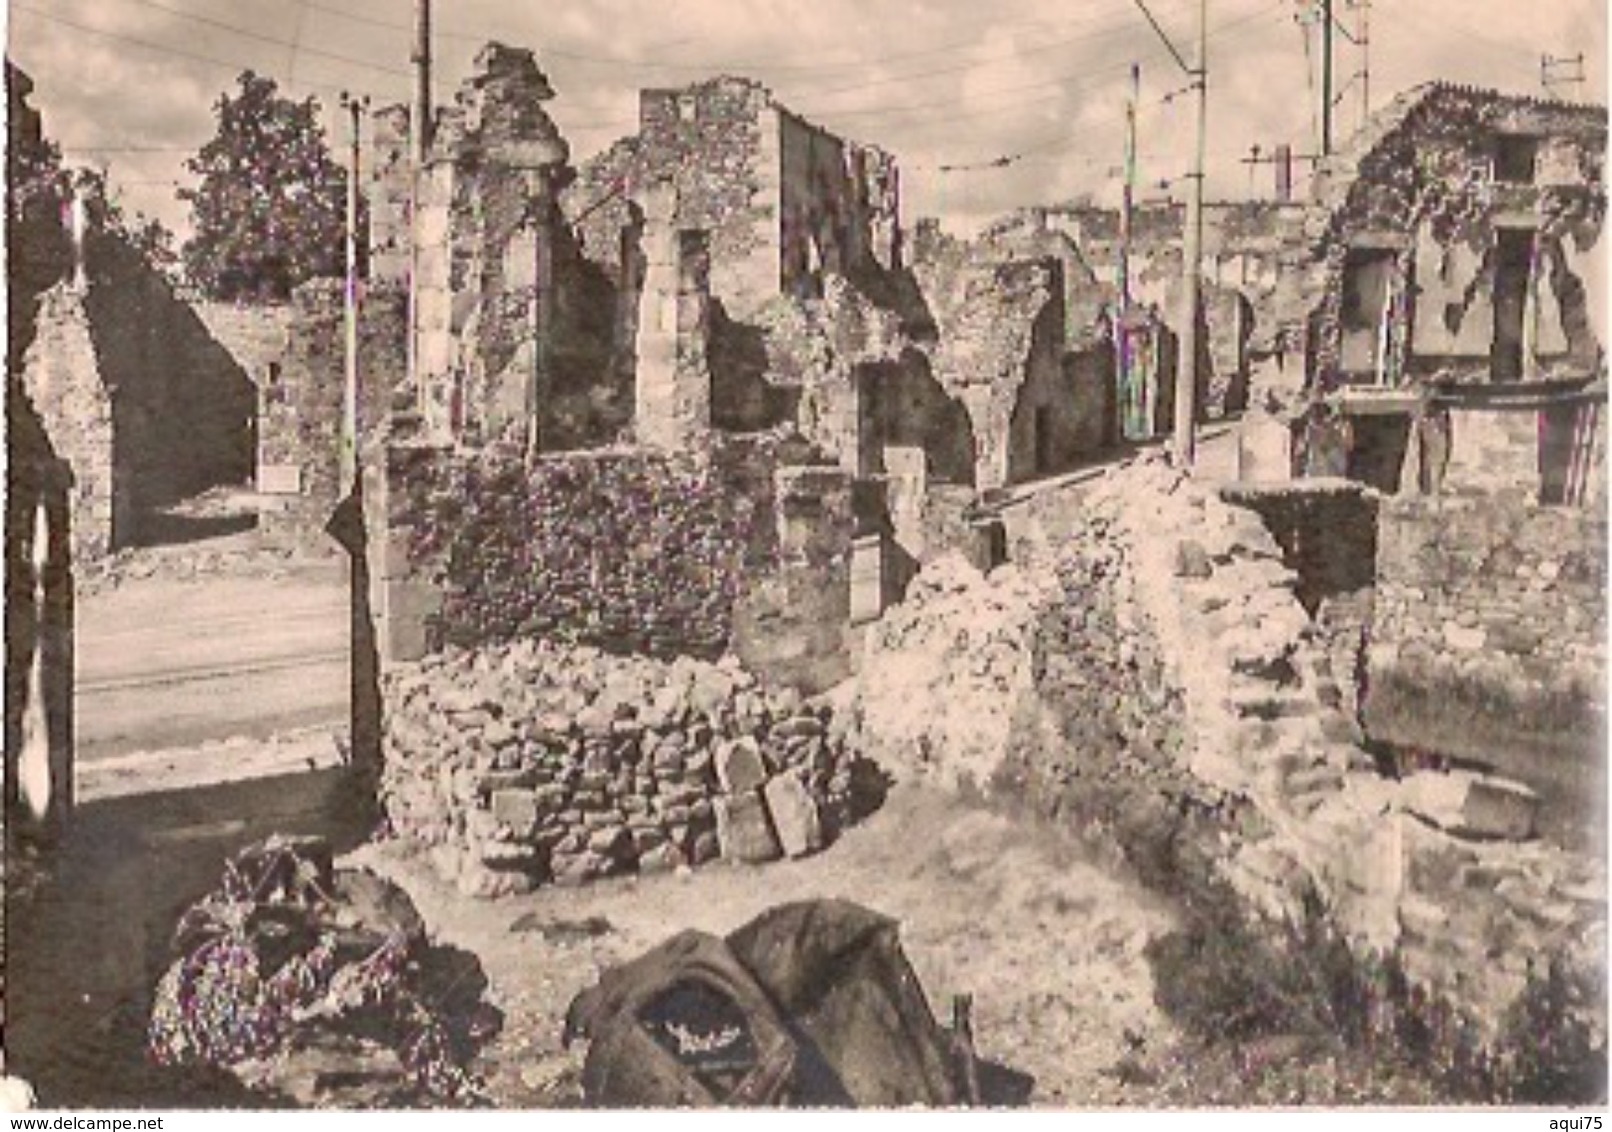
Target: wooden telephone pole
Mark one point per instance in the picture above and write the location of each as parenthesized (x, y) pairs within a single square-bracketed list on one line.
[(419, 150), (1186, 367), (1326, 78), (349, 403), (1186, 372)]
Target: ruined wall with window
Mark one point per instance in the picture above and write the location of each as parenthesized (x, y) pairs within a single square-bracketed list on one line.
[(517, 327), (300, 426), (1454, 238)]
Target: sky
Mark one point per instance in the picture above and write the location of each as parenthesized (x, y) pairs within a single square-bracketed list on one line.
[(988, 105)]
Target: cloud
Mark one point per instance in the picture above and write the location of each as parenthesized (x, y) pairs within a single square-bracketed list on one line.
[(938, 82)]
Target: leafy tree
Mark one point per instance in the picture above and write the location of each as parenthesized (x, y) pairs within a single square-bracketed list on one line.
[(154, 240), (269, 212)]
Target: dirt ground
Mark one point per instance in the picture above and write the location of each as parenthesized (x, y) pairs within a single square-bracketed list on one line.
[(1048, 943)]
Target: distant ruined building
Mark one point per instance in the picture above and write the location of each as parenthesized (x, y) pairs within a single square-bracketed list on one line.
[(1455, 285)]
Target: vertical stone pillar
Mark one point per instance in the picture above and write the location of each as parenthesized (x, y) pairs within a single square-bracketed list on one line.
[(407, 594), (673, 388), (793, 626)]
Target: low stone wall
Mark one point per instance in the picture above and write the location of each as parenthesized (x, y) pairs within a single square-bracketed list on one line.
[(531, 763), (1488, 639)]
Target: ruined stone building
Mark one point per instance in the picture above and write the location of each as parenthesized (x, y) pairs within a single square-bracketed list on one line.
[(1020, 341), (148, 396), (1252, 302), (1455, 364), (1453, 286)]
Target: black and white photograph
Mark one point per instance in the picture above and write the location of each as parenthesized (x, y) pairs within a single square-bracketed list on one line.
[(868, 554)]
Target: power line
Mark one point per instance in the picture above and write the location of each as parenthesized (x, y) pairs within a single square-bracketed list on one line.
[(276, 41), (658, 64), (1068, 82), (1063, 140), (166, 49), (1055, 45)]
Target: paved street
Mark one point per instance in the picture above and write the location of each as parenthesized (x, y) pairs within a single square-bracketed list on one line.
[(167, 663)]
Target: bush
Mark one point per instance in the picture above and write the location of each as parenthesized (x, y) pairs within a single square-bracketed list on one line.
[(1231, 982)]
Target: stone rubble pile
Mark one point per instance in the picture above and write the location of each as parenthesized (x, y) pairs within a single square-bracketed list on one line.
[(533, 762), (947, 672), (1439, 867)]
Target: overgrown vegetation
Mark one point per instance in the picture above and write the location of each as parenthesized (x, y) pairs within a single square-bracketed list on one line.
[(626, 551), (1241, 988)]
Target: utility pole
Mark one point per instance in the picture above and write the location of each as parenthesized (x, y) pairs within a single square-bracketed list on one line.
[(1363, 40), (1128, 191), (1125, 375), (419, 150), (1186, 367), (349, 402), (1326, 78), (1186, 371)]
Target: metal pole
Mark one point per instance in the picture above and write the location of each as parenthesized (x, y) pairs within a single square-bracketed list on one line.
[(349, 408), (1128, 191), (1326, 77), (1124, 367), (1186, 370), (1363, 29), (419, 149)]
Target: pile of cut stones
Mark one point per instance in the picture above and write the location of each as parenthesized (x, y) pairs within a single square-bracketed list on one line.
[(534, 762)]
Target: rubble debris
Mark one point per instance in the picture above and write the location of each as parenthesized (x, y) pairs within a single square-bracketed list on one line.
[(534, 763)]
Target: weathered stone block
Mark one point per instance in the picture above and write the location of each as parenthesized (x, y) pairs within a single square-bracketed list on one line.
[(743, 829), (516, 809), (1473, 805), (739, 766), (794, 815)]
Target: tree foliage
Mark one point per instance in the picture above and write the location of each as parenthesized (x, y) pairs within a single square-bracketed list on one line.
[(269, 212)]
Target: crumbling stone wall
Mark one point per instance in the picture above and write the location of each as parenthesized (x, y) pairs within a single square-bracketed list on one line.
[(1000, 352), (717, 143), (183, 405), (839, 203), (1254, 304), (518, 330), (1488, 639), (1167, 690), (536, 763), (626, 549), (60, 376), (137, 392), (1420, 183), (299, 430), (784, 201)]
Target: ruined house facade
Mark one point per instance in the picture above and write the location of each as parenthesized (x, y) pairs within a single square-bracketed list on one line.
[(1454, 256), (1252, 299), (1454, 363), (1020, 342)]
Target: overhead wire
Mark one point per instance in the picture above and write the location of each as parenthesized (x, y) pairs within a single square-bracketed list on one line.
[(1064, 140), (625, 62), (164, 48)]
